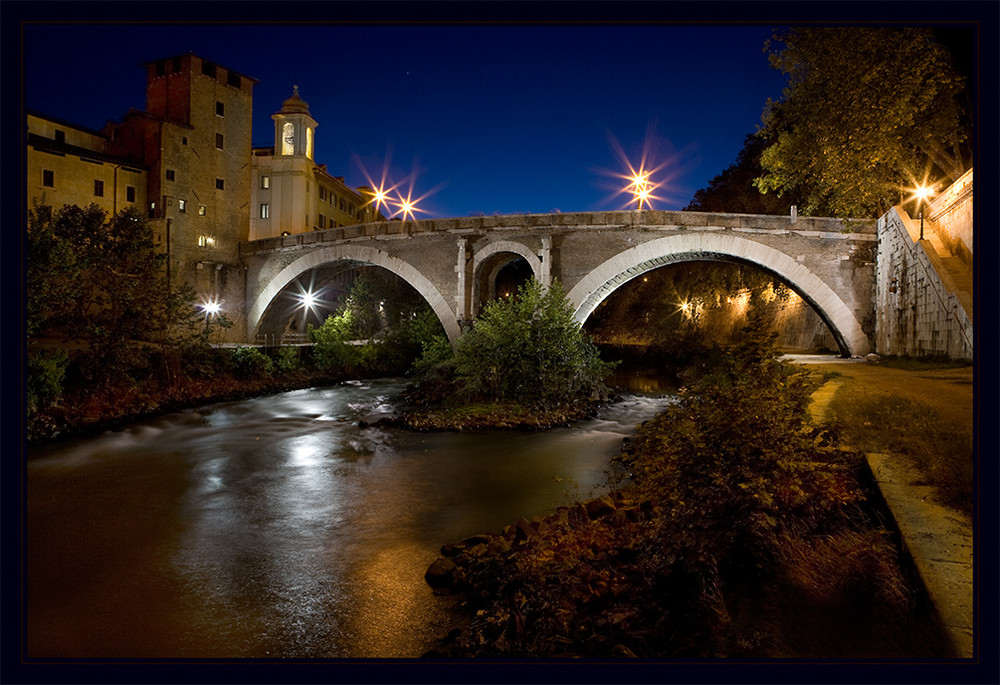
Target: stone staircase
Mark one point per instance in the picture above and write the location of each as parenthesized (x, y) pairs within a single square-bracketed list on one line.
[(954, 271)]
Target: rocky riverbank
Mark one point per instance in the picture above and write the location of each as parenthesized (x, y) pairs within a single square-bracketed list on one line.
[(82, 413)]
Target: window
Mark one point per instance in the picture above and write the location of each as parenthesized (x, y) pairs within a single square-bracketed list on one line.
[(265, 210), (184, 140), (265, 182), (220, 184), (177, 65), (343, 205), (234, 79), (48, 178), (159, 69), (322, 193), (98, 188), (208, 69), (220, 109), (201, 210), (322, 221), (130, 193), (170, 174), (60, 136), (182, 206), (152, 210), (218, 140)]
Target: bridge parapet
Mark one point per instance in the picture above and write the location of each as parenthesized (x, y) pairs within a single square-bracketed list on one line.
[(646, 219)]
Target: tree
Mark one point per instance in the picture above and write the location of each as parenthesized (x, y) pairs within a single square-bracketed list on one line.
[(867, 112), (733, 191), (529, 349), (101, 280)]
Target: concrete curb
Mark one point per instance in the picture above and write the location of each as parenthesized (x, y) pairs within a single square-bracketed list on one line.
[(939, 541)]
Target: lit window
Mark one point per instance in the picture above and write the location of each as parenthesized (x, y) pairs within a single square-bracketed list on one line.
[(265, 182), (152, 210), (170, 174), (201, 210), (130, 193), (206, 241), (265, 210), (220, 184), (220, 109), (182, 206), (218, 141), (98, 188), (48, 178)]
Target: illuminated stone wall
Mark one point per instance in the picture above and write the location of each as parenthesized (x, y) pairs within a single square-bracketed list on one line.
[(921, 308)]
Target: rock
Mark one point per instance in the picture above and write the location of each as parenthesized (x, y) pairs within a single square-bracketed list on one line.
[(577, 516), (596, 508), (523, 530), (441, 574), (452, 549), (872, 358), (474, 540)]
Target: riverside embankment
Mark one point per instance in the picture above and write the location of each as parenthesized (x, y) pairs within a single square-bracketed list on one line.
[(939, 538)]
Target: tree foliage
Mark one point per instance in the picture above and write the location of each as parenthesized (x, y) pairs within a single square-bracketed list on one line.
[(734, 191), (867, 112), (529, 349), (394, 321), (100, 280)]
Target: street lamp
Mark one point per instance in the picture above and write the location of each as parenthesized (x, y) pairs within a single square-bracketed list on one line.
[(640, 187), (922, 193)]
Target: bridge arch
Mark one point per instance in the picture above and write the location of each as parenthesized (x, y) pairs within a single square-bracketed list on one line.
[(608, 276), (354, 253), (486, 257)]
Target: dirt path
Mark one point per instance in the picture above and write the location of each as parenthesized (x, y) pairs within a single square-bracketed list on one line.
[(948, 391)]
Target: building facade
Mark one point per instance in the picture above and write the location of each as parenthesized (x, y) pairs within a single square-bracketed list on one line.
[(291, 193), (68, 164), (187, 161)]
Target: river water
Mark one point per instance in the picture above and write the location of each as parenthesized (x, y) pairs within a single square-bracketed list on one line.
[(276, 527)]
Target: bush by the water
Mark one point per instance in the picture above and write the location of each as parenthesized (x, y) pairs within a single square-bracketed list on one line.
[(526, 349), (737, 521)]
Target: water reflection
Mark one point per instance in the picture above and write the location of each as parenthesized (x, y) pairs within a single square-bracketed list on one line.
[(277, 527)]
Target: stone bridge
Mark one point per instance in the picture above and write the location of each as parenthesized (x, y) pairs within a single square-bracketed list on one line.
[(453, 263)]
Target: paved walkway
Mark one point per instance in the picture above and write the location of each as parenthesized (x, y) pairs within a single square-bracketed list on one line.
[(938, 539)]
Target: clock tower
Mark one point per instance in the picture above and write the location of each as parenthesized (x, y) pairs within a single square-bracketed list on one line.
[(294, 127)]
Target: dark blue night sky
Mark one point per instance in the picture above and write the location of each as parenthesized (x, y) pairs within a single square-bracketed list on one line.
[(493, 118)]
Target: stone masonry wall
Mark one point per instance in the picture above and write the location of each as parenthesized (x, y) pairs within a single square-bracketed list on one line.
[(918, 312)]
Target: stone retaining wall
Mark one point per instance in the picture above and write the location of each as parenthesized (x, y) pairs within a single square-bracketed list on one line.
[(918, 311)]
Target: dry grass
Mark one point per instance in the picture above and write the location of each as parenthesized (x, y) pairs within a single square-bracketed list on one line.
[(943, 451)]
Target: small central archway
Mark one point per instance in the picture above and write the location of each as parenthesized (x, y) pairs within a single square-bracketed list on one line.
[(607, 277), (490, 260)]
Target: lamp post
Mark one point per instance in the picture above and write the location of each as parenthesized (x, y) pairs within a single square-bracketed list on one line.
[(923, 192)]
